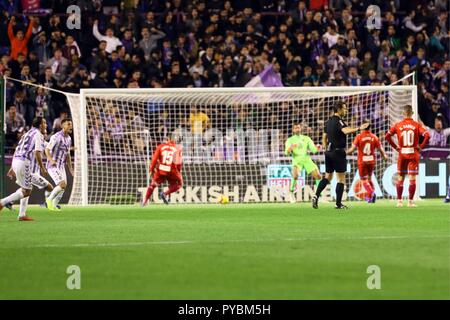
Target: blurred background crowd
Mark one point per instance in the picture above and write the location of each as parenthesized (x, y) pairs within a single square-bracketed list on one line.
[(216, 43)]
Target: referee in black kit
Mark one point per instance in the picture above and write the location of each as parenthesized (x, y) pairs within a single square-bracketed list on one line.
[(334, 142)]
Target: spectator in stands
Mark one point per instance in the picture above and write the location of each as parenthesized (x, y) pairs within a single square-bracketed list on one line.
[(58, 65), (15, 126), (438, 135), (111, 41), (19, 41)]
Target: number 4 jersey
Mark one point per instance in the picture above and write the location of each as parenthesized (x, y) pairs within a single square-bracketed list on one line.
[(408, 132), (367, 143)]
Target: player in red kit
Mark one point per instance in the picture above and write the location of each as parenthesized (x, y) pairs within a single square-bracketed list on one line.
[(367, 143), (166, 166), (408, 132)]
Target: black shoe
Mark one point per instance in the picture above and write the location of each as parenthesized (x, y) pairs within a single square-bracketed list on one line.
[(341, 206), (9, 206), (43, 205), (315, 202), (163, 197)]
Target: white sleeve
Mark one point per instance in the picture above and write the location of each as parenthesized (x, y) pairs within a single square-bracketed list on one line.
[(446, 132), (51, 143), (38, 143), (96, 33)]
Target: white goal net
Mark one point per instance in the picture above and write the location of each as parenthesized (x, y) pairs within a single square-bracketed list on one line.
[(232, 139)]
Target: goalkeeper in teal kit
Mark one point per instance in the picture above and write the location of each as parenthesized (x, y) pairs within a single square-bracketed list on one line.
[(299, 147)]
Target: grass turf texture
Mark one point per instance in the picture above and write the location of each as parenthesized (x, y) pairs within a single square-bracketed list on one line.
[(264, 251)]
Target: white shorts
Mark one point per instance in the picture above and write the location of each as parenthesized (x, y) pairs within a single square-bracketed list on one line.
[(22, 170), (39, 181), (58, 174)]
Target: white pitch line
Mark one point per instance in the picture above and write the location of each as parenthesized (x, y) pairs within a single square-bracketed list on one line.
[(149, 243)]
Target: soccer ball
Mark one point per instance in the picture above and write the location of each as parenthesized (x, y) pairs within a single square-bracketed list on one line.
[(223, 199)]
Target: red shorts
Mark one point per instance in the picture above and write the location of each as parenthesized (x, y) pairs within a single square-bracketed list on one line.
[(171, 178), (365, 170), (408, 166)]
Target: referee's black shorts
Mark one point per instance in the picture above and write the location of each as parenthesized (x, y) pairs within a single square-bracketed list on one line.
[(335, 160)]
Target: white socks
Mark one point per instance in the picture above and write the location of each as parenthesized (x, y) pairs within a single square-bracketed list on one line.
[(58, 198), (23, 207), (47, 194), (56, 195), (12, 197)]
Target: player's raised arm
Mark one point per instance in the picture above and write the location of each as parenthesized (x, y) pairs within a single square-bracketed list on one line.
[(349, 130)]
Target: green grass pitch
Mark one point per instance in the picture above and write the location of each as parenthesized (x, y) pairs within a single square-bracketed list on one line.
[(235, 251)]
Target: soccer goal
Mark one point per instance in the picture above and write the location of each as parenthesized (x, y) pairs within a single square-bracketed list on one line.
[(237, 149), (232, 140)]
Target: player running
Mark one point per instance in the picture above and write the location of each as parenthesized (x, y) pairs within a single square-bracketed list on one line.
[(298, 146), (27, 153), (58, 154), (408, 132), (367, 143), (36, 180), (166, 166)]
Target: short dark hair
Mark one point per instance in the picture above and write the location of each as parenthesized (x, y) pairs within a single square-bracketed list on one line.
[(65, 120), (37, 122), (338, 105), (367, 121), (408, 109)]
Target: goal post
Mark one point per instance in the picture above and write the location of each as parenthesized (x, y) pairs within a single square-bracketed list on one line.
[(232, 139), (237, 149)]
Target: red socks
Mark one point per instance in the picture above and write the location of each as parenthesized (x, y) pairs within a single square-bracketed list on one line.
[(399, 186), (149, 192), (369, 188), (412, 189)]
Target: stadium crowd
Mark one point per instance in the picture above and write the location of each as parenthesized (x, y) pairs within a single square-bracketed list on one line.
[(215, 43)]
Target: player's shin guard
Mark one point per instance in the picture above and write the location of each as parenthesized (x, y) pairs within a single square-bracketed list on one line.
[(399, 186), (172, 189), (23, 206), (322, 185), (12, 197), (339, 193), (412, 189)]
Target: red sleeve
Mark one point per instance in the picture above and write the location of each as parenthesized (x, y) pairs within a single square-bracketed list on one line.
[(377, 142), (10, 32), (426, 137), (29, 32), (155, 158), (356, 141), (389, 138)]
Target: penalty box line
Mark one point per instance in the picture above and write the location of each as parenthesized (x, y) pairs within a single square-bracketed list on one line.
[(182, 242)]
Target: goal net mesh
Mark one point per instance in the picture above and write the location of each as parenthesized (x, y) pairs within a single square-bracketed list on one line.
[(232, 140)]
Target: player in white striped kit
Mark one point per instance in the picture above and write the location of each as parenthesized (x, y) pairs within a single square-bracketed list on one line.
[(58, 154), (28, 151), (36, 180)]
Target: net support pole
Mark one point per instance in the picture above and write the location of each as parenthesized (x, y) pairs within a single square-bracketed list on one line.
[(83, 151), (2, 136), (147, 144), (416, 118)]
